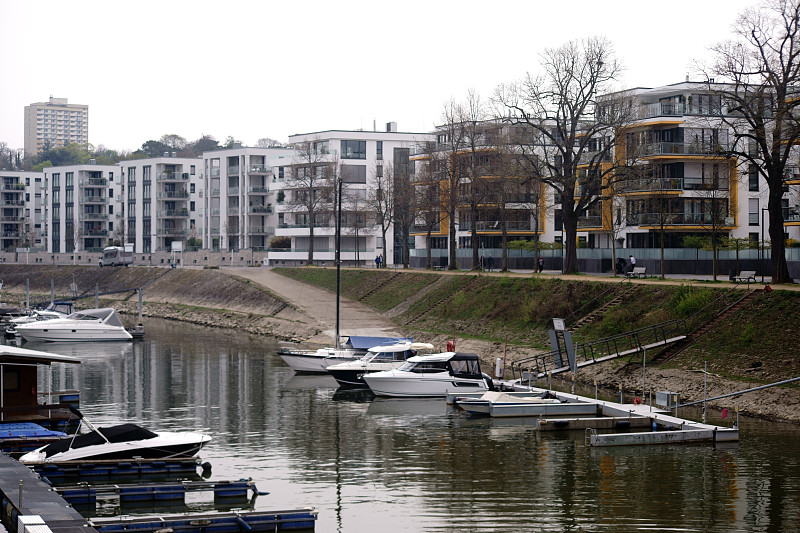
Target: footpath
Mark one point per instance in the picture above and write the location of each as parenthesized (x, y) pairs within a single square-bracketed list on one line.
[(319, 306)]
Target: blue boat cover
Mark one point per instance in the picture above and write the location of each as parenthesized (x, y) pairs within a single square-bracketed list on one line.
[(365, 343), (15, 430)]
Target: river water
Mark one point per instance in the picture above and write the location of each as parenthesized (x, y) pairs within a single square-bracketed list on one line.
[(418, 465)]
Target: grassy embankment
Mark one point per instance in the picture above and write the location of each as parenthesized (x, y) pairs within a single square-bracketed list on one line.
[(753, 344)]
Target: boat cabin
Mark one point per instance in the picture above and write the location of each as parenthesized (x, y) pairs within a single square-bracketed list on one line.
[(459, 364), (395, 352), (20, 395)]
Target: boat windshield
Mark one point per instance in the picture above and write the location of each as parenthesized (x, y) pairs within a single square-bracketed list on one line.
[(391, 356), (425, 367), (469, 367)]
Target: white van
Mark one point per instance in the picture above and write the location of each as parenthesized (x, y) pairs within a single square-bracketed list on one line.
[(116, 256)]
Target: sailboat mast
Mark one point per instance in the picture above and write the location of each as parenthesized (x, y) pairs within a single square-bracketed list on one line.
[(338, 256)]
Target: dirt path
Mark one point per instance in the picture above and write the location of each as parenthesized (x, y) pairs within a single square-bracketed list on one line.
[(320, 306)]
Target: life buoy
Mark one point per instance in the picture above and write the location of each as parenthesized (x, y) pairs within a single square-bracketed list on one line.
[(637, 400), (33, 390)]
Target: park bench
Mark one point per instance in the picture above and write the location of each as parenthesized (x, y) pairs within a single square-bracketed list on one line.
[(746, 275), (637, 272)]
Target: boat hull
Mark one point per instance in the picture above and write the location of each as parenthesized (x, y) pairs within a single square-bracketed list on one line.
[(400, 384), (163, 446), (312, 363), (40, 332)]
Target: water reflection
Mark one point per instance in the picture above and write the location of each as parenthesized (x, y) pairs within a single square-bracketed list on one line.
[(419, 465)]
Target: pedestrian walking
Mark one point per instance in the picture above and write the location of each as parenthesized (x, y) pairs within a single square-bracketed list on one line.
[(380, 260), (377, 261), (540, 264), (490, 262), (632, 261)]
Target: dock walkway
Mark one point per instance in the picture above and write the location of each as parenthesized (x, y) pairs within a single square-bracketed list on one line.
[(38, 499)]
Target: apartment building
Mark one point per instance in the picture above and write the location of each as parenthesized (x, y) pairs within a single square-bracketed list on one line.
[(162, 202), (20, 210), (239, 202), (55, 123), (80, 204), (305, 185)]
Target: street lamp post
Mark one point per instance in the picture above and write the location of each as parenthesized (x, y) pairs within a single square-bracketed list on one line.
[(763, 252)]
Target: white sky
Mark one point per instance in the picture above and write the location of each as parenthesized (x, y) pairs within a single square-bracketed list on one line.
[(253, 69)]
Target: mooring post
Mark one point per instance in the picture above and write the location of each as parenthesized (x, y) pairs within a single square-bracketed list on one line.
[(20, 497), (705, 389), (595, 389), (620, 393), (139, 290), (27, 293), (96, 295), (52, 291)]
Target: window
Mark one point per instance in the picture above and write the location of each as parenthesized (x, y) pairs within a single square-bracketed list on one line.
[(752, 178), (111, 193), (379, 171), (111, 210), (354, 173), (379, 150), (191, 188), (191, 206), (354, 149), (110, 227), (753, 211), (754, 238), (146, 173), (191, 170)]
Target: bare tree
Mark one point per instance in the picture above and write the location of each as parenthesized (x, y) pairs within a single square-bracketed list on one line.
[(405, 203), (313, 174), (381, 202), (266, 142), (569, 129), (759, 101)]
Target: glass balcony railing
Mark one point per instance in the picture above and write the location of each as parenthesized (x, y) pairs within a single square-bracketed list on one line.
[(679, 148), (673, 219)]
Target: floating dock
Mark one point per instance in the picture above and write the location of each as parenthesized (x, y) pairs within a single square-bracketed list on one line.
[(233, 522), (82, 471), (664, 428)]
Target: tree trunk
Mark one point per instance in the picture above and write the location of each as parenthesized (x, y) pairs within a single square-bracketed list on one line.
[(428, 264), (780, 270), (310, 260), (453, 261), (570, 241)]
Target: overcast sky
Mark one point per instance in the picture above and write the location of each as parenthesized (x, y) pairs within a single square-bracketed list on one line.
[(254, 69)]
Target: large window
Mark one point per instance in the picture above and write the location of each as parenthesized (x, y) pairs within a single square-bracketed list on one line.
[(752, 204), (752, 178), (354, 149), (354, 173)]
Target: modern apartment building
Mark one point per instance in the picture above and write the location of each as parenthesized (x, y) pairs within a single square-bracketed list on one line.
[(80, 204), (239, 201), (161, 203), (55, 123), (20, 210), (305, 185)]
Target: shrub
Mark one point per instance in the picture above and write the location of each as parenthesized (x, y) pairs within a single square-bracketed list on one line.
[(689, 300)]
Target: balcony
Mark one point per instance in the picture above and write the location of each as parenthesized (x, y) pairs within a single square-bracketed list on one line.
[(652, 185), (173, 213), (258, 169), (11, 234), (233, 171), (260, 209), (173, 176), (12, 219), (422, 228), (5, 202), (791, 174), (494, 225), (93, 182), (670, 109), (590, 221), (233, 191), (172, 232), (95, 233), (96, 199), (233, 211), (260, 230), (173, 194), (214, 172), (679, 149), (790, 214), (93, 216), (13, 187), (675, 219), (258, 190)]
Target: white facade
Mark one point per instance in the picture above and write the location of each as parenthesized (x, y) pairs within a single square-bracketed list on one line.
[(239, 201), (360, 158), (162, 201), (20, 210), (81, 203)]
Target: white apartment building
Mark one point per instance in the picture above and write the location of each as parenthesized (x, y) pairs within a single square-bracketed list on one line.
[(162, 203), (361, 159), (55, 123), (80, 204), (239, 202), (20, 210)]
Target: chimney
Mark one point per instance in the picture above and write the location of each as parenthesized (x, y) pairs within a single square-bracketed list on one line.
[(174, 154), (391, 127), (166, 154)]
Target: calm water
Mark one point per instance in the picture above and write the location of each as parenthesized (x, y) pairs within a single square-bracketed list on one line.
[(417, 465)]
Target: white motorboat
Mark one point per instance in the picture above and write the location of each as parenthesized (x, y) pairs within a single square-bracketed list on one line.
[(350, 374), (89, 325), (121, 442), (431, 375), (317, 361), (54, 310)]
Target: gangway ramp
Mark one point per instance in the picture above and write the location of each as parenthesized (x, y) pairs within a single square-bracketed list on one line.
[(613, 347)]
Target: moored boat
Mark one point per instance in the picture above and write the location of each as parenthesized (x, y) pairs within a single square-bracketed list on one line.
[(317, 361), (120, 442), (101, 324), (431, 375), (350, 374)]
